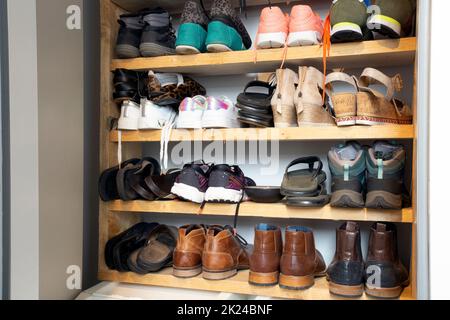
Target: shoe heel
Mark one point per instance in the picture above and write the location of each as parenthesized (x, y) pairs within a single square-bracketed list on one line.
[(263, 279), (211, 275), (223, 38), (346, 32), (346, 291), (191, 39), (385, 25), (384, 293), (184, 273), (296, 282)]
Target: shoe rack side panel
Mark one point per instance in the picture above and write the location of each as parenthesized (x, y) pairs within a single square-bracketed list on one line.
[(109, 223)]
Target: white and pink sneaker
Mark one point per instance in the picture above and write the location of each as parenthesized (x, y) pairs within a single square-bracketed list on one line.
[(220, 113), (191, 113)]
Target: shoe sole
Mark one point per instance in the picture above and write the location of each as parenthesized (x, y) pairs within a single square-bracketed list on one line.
[(385, 293), (383, 200), (372, 121), (190, 120), (126, 51), (128, 124), (263, 279), (304, 38), (220, 275), (218, 194), (187, 192), (346, 121), (155, 50), (385, 25), (187, 273), (296, 283), (271, 40), (216, 48), (346, 32), (219, 119), (347, 199), (346, 291), (186, 50)]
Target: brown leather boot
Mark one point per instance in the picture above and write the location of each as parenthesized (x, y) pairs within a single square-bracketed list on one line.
[(385, 274), (346, 272), (187, 256), (300, 262), (224, 254), (265, 259)]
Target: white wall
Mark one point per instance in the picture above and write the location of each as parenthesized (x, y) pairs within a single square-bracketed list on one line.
[(231, 86), (439, 176)]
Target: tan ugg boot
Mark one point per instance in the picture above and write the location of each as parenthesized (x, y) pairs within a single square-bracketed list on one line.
[(283, 108), (308, 99)]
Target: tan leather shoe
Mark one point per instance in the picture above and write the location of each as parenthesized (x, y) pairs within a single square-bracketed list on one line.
[(265, 259), (300, 262), (187, 256), (283, 108), (376, 108), (308, 99), (224, 254)]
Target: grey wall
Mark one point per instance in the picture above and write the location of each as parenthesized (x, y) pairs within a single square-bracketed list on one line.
[(23, 158), (61, 155)]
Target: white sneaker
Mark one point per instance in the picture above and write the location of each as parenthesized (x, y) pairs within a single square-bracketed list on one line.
[(191, 113), (129, 116), (155, 117), (220, 113)]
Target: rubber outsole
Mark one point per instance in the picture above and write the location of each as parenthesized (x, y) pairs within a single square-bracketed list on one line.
[(383, 200), (155, 50), (126, 51), (347, 199)]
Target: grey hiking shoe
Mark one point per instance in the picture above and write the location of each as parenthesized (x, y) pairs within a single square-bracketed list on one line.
[(347, 164), (129, 37), (393, 18), (385, 176)]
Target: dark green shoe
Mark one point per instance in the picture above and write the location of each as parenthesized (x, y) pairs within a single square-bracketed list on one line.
[(226, 31), (348, 21), (392, 18), (192, 31)]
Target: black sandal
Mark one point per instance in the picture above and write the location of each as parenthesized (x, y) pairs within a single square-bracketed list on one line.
[(305, 187)]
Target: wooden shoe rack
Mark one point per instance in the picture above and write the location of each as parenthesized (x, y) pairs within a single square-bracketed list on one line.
[(116, 216)]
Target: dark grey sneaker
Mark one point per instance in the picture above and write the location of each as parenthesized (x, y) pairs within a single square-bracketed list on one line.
[(385, 176), (129, 37), (158, 37)]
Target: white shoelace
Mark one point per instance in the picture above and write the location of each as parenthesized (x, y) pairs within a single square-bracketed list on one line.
[(166, 132)]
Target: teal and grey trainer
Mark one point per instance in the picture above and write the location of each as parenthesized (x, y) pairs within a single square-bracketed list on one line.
[(385, 176), (348, 20), (226, 31), (392, 18), (192, 31), (347, 164)]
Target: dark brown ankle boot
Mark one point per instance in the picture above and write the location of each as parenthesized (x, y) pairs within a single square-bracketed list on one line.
[(300, 262), (346, 271), (265, 259), (385, 274)]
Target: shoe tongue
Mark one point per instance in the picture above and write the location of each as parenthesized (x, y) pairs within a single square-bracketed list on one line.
[(381, 227), (348, 152), (351, 226), (385, 151), (166, 79)]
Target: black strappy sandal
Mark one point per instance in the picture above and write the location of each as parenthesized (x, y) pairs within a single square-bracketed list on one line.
[(107, 184)]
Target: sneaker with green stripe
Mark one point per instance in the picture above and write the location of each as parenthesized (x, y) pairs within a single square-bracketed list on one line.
[(392, 18), (348, 20)]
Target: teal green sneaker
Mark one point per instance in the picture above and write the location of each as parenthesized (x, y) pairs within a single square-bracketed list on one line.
[(392, 18), (192, 31), (348, 21), (226, 32)]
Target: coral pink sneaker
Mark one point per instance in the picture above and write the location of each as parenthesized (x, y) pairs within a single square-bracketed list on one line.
[(273, 28), (305, 27)]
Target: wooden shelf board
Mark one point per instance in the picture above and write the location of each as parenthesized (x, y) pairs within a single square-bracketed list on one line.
[(377, 53), (273, 134), (238, 284), (259, 210), (176, 6)]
